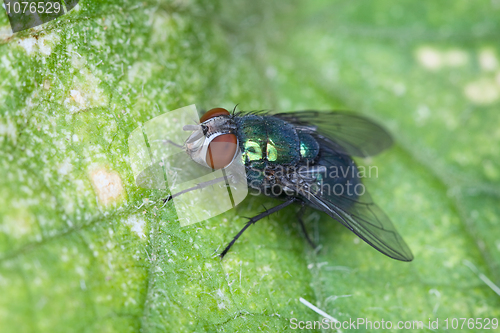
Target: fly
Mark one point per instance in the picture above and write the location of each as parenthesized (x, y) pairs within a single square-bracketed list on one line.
[(292, 156)]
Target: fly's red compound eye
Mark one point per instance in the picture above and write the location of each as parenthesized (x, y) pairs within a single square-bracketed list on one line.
[(222, 148), (213, 113), (221, 151)]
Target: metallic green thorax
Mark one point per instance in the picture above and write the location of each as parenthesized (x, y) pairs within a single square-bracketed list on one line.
[(270, 140)]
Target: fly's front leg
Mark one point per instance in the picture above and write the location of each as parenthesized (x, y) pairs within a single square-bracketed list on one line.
[(255, 219)]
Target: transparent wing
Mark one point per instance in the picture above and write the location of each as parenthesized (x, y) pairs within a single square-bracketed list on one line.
[(367, 220), (346, 133), (354, 208)]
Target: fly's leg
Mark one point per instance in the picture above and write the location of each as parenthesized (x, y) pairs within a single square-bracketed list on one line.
[(196, 187), (174, 144), (255, 219), (303, 226)]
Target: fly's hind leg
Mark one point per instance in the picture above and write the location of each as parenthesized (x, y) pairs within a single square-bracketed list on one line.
[(303, 226), (255, 219)]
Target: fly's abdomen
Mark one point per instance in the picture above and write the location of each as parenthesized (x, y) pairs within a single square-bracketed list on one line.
[(309, 147), (341, 178)]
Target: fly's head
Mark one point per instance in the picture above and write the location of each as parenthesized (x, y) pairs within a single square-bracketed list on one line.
[(213, 142)]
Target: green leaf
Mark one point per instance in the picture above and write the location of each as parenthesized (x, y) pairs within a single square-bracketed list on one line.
[(83, 249)]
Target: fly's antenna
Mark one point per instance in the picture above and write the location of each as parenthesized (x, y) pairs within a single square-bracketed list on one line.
[(193, 127), (190, 127)]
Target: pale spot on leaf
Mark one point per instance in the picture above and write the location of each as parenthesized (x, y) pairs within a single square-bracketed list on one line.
[(488, 60), (429, 57), (78, 98), (65, 167), (136, 223), (44, 44), (483, 91), (107, 185), (28, 44)]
